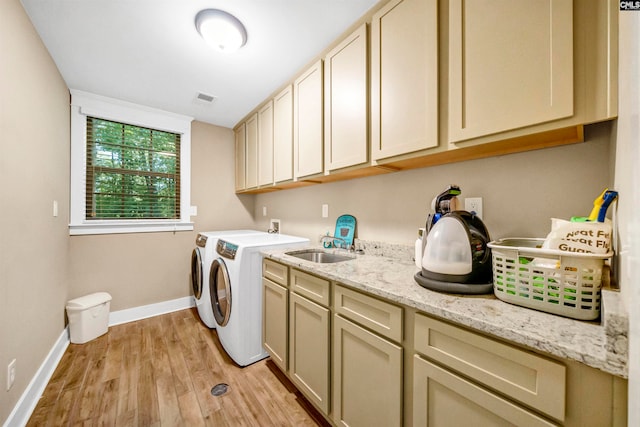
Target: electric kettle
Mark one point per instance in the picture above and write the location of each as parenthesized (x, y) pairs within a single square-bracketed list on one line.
[(456, 258)]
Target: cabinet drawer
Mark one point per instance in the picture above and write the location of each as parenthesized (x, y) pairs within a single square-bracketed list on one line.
[(312, 287), (275, 271), (441, 398), (379, 316), (519, 374)]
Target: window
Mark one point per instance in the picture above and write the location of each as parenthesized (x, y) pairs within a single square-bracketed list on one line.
[(129, 167), (132, 172)]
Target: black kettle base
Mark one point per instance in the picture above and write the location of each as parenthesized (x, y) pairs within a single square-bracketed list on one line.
[(452, 287)]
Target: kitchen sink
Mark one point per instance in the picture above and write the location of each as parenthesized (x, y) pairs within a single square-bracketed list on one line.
[(320, 256)]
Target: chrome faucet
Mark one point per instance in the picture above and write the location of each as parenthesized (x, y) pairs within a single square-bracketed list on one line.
[(342, 243)]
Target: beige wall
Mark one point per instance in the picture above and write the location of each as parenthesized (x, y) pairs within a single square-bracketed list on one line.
[(146, 268), (213, 181), (521, 192), (627, 182), (34, 171), (627, 135)]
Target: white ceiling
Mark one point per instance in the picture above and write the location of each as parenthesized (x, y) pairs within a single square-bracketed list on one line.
[(149, 52)]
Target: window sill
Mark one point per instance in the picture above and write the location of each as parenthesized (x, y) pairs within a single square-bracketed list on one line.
[(119, 227)]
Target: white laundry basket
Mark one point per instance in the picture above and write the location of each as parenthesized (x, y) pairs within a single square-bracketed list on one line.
[(88, 317), (563, 283)]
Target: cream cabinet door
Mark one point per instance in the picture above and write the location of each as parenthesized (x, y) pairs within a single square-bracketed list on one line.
[(241, 150), (404, 78), (265, 145), (274, 326), (345, 103), (441, 398), (252, 151), (533, 380), (367, 377), (307, 123), (309, 349), (283, 135), (510, 65)]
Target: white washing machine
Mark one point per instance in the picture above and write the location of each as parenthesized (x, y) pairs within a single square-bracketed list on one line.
[(235, 282), (201, 258)]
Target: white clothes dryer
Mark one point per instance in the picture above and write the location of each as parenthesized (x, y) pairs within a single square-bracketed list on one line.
[(201, 258), (235, 282)]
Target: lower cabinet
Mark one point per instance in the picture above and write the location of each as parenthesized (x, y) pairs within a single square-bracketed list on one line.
[(443, 399), (367, 377), (461, 377), (365, 361), (309, 349), (275, 322), (526, 378)]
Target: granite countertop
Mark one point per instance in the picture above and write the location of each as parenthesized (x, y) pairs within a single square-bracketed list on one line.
[(387, 271)]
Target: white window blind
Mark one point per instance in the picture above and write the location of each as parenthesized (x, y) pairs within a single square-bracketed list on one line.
[(132, 172)]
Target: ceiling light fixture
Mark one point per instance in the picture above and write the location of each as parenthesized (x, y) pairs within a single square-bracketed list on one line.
[(221, 30)]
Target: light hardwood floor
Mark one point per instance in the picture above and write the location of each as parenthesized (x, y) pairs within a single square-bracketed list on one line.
[(159, 372)]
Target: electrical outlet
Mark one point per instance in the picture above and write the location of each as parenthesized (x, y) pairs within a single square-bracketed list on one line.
[(325, 211), (264, 211), (275, 226), (473, 204), (11, 374)]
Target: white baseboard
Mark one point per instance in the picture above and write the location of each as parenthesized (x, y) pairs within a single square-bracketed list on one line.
[(151, 310), (29, 399)]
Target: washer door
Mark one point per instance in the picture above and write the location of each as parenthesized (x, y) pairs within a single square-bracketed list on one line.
[(196, 273), (220, 291)]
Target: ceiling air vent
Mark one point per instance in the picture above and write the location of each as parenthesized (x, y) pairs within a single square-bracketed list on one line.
[(203, 97)]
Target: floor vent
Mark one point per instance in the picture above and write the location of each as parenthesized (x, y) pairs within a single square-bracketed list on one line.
[(219, 389)]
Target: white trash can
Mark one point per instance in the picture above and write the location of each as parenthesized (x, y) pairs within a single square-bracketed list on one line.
[(88, 317)]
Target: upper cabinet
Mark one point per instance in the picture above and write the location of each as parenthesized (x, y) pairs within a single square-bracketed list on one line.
[(596, 31), (404, 78), (519, 78), (441, 81), (308, 123), (240, 146), (283, 135), (252, 152), (345, 104), (509, 66), (265, 145)]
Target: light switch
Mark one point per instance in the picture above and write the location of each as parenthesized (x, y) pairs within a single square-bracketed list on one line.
[(55, 208), (193, 211), (325, 211), (264, 211)]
